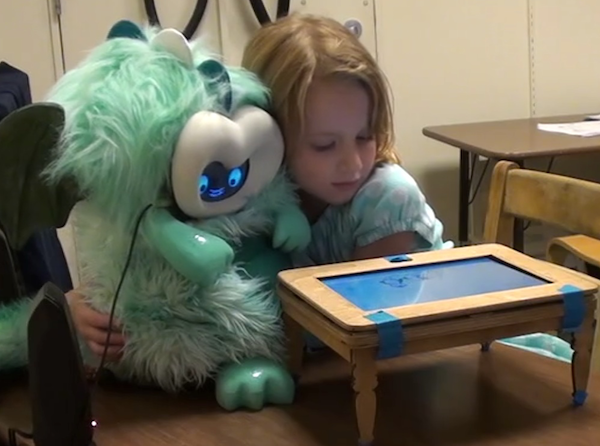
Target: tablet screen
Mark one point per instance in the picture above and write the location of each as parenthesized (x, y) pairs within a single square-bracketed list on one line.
[(378, 290)]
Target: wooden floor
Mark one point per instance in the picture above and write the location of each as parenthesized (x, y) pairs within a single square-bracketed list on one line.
[(453, 397)]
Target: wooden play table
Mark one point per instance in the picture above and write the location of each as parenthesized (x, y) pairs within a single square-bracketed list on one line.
[(377, 309)]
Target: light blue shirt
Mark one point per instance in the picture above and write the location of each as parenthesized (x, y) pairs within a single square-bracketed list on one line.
[(389, 202)]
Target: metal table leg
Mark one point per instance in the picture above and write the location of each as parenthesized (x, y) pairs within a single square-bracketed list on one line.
[(464, 191), (519, 227), (519, 235)]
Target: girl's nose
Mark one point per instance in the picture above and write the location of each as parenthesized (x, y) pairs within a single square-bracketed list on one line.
[(351, 161)]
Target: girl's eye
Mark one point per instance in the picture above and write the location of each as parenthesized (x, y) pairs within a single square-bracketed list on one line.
[(323, 147), (364, 138)]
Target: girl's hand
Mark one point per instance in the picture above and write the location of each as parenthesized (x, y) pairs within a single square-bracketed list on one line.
[(93, 327)]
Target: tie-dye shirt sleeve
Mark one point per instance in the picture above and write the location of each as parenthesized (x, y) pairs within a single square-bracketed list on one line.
[(391, 202)]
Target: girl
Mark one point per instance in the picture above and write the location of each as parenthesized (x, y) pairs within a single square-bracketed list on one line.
[(331, 101)]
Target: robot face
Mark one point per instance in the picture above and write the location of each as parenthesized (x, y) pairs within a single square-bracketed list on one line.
[(218, 183), (220, 162)]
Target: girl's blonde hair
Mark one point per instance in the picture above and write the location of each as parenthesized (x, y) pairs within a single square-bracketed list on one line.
[(289, 53)]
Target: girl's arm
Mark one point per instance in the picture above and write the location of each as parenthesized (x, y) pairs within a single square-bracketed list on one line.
[(398, 243), (392, 216)]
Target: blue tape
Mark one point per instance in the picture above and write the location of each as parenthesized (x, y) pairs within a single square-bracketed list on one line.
[(391, 336), (398, 258), (579, 397), (574, 303)]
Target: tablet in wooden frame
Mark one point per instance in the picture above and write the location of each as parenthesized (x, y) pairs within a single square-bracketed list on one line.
[(543, 284)]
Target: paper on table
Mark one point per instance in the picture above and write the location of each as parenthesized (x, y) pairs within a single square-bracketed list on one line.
[(585, 128)]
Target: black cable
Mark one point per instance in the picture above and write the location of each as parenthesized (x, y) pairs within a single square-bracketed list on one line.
[(283, 9), (95, 377), (549, 168), (192, 25), (485, 168), (152, 13), (260, 11), (487, 162), (12, 432), (116, 296)]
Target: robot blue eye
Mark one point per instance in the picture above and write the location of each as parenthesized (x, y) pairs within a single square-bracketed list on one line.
[(235, 177), (204, 182), (217, 183)]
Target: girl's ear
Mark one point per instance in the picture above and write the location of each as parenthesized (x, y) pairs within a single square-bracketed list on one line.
[(125, 29)]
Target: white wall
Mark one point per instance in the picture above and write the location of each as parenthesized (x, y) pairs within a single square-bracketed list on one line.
[(238, 22), (566, 68), (566, 56), (81, 35), (448, 61), (29, 40), (451, 61)]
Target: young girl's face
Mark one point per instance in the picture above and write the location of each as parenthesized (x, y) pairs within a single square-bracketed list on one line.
[(335, 154)]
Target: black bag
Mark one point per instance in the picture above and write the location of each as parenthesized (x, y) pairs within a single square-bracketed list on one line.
[(42, 258)]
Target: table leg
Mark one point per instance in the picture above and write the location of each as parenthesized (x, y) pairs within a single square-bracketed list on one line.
[(582, 344), (464, 191), (592, 270), (364, 372), (295, 345), (519, 235)]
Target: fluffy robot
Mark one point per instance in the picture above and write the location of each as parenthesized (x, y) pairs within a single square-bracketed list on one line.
[(184, 213)]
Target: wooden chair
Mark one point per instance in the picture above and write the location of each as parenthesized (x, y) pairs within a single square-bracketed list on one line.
[(582, 247), (564, 202)]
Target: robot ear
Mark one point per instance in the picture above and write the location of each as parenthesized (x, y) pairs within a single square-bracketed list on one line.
[(218, 81), (175, 43), (212, 69), (126, 29)]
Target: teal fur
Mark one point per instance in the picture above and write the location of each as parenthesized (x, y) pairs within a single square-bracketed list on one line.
[(179, 332), (125, 106), (13, 335)]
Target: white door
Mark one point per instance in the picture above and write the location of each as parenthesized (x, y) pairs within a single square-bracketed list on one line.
[(238, 21), (29, 40), (85, 23)]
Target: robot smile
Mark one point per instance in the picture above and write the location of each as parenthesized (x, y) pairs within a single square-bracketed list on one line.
[(214, 193)]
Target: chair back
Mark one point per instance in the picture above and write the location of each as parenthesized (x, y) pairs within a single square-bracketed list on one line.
[(564, 202)]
